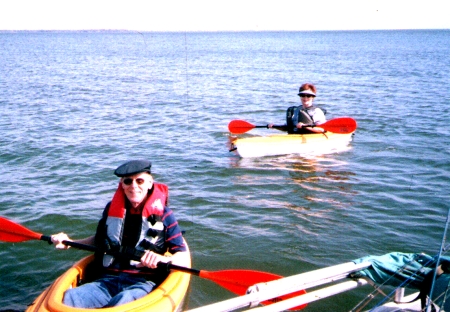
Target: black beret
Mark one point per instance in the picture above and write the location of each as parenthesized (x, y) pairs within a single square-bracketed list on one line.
[(133, 167)]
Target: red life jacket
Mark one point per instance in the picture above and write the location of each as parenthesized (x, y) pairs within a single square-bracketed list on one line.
[(154, 206)]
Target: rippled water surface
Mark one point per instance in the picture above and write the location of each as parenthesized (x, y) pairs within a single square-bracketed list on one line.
[(74, 106)]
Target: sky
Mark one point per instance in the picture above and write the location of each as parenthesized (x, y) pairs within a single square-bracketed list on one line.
[(223, 15)]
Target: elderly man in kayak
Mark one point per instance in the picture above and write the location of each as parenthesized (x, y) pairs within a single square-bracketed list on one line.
[(136, 219), (298, 118)]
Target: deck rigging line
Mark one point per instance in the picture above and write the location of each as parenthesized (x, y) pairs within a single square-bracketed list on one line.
[(428, 309)]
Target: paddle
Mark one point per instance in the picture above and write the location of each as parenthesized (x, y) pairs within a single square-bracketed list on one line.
[(341, 125), (236, 281), (241, 126), (12, 232)]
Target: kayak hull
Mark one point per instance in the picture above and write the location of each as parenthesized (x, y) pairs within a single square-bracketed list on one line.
[(168, 296), (285, 144)]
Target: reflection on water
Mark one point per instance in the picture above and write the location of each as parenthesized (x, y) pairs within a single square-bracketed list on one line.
[(302, 182)]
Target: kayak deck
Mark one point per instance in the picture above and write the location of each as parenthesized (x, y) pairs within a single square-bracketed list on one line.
[(284, 144), (168, 296)]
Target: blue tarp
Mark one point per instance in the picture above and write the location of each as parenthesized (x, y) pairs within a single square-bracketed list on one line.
[(411, 270), (397, 269)]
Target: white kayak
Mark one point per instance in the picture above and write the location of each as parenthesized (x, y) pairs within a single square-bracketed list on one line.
[(284, 144)]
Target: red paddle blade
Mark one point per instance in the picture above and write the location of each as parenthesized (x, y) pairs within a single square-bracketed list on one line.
[(238, 281), (340, 125), (240, 126), (13, 233)]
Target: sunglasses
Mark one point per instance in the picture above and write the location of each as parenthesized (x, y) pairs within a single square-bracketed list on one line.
[(129, 181), (306, 95)]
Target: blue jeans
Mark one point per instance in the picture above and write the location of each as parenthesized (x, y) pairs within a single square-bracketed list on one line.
[(108, 291)]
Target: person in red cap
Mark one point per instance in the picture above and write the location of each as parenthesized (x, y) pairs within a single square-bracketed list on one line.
[(298, 118), (137, 220)]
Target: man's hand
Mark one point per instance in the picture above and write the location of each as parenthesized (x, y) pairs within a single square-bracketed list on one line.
[(57, 239), (150, 260)]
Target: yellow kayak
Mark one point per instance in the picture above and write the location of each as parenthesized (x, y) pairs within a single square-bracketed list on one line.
[(284, 144), (168, 296)]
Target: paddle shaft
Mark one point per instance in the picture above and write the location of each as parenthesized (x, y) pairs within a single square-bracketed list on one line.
[(281, 127), (275, 127), (71, 244), (136, 255), (132, 256), (284, 127)]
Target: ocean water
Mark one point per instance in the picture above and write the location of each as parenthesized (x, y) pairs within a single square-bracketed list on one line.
[(75, 105)]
